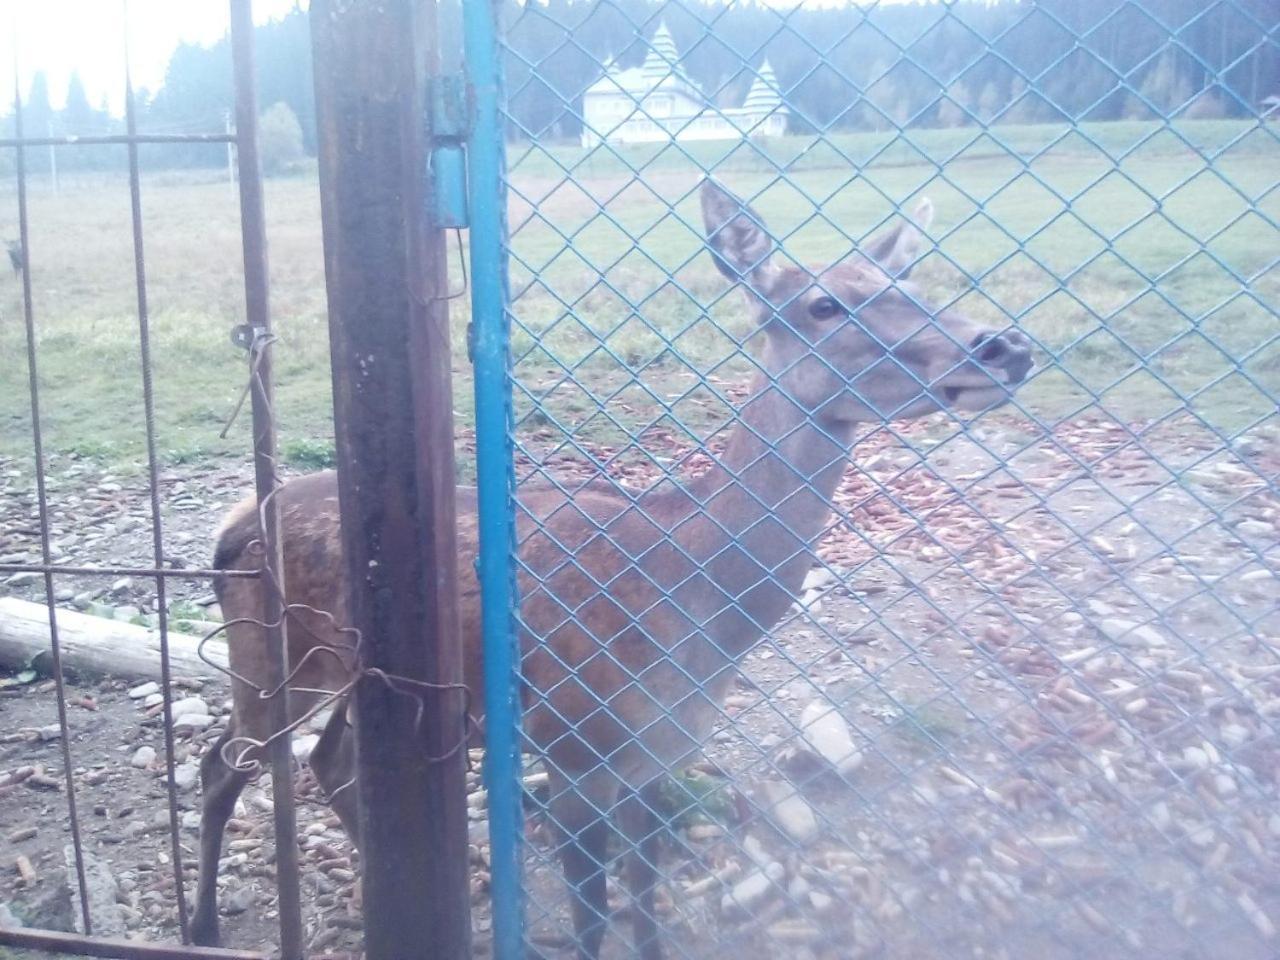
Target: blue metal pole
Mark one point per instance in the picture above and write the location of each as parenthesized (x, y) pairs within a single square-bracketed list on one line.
[(495, 478)]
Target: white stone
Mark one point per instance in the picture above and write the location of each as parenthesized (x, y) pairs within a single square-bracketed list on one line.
[(817, 578), (189, 705), (752, 890), (1195, 757), (185, 776), (302, 746), (144, 690), (1235, 735), (143, 757), (829, 735), (788, 810), (820, 901)]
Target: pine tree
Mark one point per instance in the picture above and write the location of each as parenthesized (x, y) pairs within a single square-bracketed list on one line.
[(988, 102), (951, 109)]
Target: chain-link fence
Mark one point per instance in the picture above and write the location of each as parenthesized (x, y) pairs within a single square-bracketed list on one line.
[(870, 637)]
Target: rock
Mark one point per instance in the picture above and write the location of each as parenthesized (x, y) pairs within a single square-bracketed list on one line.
[(85, 599), (144, 690), (192, 723), (1130, 634), (1255, 528), (788, 810), (22, 579), (143, 757), (829, 735), (303, 745), (1196, 758), (100, 895), (817, 578), (121, 585), (51, 908), (238, 899), (152, 700), (7, 917), (752, 890), (1235, 735), (189, 705), (820, 901), (51, 731), (185, 775)]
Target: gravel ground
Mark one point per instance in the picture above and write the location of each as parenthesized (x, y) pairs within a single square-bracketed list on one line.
[(1056, 692)]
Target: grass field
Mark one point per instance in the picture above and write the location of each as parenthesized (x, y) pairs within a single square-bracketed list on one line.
[(1149, 279)]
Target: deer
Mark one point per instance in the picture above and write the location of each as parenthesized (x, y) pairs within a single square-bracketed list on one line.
[(637, 609)]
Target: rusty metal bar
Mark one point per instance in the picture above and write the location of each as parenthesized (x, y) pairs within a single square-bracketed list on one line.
[(37, 438), (117, 139), (54, 942), (153, 479), (196, 573), (257, 315), (49, 941), (393, 411)]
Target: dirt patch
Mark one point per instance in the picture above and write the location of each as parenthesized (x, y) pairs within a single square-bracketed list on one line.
[(1056, 655)]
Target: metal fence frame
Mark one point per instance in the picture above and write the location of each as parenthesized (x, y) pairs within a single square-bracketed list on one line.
[(388, 304), (245, 140), (259, 386)]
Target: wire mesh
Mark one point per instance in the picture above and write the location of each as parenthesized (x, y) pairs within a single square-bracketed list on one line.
[(860, 663)]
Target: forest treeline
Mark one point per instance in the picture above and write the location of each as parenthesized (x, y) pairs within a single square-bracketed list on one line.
[(851, 67)]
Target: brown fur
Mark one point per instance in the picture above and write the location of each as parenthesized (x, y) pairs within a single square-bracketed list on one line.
[(634, 609)]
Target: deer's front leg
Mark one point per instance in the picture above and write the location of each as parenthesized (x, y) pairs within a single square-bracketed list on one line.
[(580, 811)]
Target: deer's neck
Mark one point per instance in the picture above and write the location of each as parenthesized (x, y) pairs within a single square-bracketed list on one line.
[(765, 505)]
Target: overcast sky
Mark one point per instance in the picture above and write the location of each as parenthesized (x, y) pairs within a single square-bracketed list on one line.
[(59, 36)]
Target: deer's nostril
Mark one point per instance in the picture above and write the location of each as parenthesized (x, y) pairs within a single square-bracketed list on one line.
[(988, 349)]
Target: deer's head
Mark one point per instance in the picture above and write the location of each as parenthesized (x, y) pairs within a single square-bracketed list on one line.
[(852, 341)]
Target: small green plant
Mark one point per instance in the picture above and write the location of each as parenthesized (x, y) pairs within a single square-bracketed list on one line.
[(184, 610), (310, 454), (193, 453), (692, 797)]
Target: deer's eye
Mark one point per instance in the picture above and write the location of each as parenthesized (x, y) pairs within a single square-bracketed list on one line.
[(824, 308)]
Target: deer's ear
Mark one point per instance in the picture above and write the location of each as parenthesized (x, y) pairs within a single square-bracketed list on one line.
[(740, 244), (897, 249)]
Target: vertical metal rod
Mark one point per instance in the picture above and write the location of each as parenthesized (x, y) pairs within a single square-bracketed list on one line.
[(53, 157), (37, 438), (495, 478), (153, 478), (385, 266), (257, 315)]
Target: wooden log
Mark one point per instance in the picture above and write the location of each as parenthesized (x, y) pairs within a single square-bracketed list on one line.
[(97, 647)]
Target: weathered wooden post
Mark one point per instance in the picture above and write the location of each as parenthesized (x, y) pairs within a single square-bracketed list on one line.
[(388, 328)]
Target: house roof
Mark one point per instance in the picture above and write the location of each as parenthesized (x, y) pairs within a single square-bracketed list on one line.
[(661, 71)]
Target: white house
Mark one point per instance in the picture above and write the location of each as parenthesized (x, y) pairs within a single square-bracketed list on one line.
[(657, 102)]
